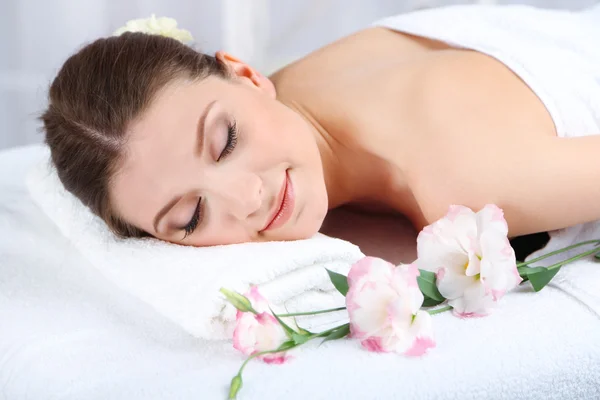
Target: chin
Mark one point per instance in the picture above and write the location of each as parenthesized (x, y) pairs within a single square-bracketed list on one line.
[(311, 227), (300, 230), (307, 222), (301, 236)]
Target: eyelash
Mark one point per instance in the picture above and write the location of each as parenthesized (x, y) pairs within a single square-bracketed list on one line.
[(232, 136), (191, 226)]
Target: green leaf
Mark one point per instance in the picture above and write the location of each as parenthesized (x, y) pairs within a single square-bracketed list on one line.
[(300, 339), (428, 275), (541, 278), (290, 332), (525, 271), (339, 333), (339, 281), (597, 256), (429, 302), (303, 331), (426, 281), (286, 345)]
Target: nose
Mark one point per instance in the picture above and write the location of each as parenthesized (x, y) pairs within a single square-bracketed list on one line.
[(241, 194)]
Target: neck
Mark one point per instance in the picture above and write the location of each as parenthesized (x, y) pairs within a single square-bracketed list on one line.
[(352, 175)]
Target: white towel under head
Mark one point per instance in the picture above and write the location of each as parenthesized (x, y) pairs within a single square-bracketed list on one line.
[(183, 282)]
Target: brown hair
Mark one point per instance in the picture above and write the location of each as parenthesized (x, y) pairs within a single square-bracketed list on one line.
[(95, 96)]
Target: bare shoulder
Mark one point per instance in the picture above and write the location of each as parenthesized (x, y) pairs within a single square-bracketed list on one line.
[(357, 49)]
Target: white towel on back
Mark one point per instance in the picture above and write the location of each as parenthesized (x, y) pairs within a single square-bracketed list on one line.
[(555, 52)]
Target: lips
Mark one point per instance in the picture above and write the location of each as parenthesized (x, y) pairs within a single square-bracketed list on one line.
[(285, 205)]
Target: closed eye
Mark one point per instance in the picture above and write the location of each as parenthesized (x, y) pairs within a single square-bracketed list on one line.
[(196, 219), (232, 136)]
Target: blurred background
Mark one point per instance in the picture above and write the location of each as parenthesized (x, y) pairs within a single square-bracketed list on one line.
[(36, 36)]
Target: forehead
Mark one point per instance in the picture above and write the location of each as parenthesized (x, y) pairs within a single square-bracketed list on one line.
[(157, 137), (171, 116), (169, 105)]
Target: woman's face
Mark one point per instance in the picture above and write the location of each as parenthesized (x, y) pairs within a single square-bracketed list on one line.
[(221, 162)]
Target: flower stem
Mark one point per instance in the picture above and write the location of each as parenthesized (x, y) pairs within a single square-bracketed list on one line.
[(574, 258), (597, 242), (327, 332), (311, 337), (439, 310), (311, 312), (254, 356)]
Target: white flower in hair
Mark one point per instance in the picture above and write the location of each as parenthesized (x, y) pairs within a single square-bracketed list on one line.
[(156, 26)]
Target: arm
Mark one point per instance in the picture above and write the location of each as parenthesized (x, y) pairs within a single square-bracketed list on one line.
[(549, 184)]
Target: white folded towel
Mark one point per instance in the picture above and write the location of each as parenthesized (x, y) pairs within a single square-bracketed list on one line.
[(183, 282)]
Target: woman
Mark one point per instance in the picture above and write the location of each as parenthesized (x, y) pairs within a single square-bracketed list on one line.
[(419, 111)]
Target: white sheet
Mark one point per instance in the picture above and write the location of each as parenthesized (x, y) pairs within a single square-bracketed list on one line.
[(68, 333)]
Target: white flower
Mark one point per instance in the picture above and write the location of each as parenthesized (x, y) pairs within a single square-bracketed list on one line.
[(472, 258), (156, 26), (384, 306), (255, 333)]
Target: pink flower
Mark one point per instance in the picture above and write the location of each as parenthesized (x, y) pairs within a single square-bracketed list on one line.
[(472, 258), (255, 333), (384, 304)]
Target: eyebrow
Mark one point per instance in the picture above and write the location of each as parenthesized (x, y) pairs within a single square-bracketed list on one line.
[(198, 147)]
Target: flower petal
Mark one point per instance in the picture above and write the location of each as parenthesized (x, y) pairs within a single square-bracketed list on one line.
[(373, 344), (474, 302), (244, 338), (275, 358), (261, 332), (436, 249), (447, 240), (422, 331), (453, 282), (367, 308), (498, 265), (491, 217), (462, 221), (474, 264), (374, 268), (259, 303)]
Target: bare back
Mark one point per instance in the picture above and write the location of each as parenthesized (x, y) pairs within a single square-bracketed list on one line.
[(447, 126)]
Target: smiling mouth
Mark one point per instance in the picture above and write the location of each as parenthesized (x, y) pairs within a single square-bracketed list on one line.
[(286, 206)]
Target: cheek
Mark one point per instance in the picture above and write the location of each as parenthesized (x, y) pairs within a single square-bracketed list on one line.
[(275, 133), (312, 201), (125, 194), (284, 144), (221, 233)]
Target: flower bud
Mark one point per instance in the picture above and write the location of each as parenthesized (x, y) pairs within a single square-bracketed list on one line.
[(240, 302), (236, 385)]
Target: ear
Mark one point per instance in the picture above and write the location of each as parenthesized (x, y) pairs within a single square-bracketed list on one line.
[(246, 73)]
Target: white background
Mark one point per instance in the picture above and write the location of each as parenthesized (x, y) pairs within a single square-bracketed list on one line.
[(36, 36)]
